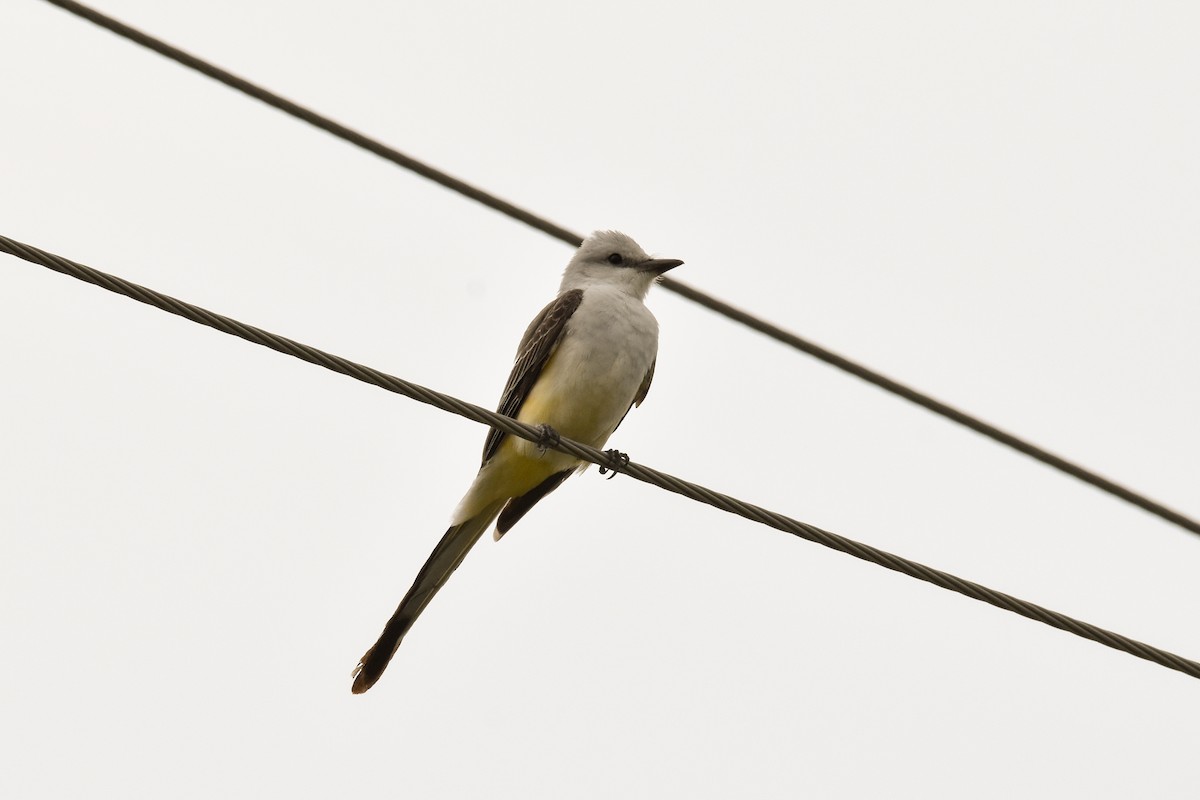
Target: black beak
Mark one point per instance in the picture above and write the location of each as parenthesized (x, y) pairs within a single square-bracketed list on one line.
[(658, 265)]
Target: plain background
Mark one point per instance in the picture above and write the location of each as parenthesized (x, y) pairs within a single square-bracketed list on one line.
[(996, 203)]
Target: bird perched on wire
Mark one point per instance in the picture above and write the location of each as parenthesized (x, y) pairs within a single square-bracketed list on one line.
[(582, 364)]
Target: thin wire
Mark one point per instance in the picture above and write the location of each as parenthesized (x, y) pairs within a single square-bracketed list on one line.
[(942, 409), (574, 239), (646, 474)]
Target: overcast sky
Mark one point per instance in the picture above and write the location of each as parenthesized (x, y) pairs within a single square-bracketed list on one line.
[(996, 203)]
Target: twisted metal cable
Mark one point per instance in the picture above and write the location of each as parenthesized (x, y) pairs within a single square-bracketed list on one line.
[(671, 284), (643, 473)]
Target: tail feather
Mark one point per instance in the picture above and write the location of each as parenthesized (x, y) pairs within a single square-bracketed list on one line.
[(442, 562), (518, 507)]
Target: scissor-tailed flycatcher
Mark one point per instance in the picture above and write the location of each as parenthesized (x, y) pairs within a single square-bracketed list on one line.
[(582, 364)]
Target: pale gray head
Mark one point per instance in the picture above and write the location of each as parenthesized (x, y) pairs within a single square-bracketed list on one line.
[(609, 258)]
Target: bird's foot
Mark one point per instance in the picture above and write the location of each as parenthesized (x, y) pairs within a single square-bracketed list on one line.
[(547, 438), (618, 458)]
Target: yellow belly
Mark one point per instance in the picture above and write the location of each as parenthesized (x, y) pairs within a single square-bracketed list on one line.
[(581, 404)]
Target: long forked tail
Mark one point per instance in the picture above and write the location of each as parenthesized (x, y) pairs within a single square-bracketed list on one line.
[(444, 559)]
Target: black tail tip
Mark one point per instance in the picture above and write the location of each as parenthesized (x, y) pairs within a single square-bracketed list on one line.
[(364, 678)]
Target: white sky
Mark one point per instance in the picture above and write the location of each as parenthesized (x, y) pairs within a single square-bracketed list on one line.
[(995, 204)]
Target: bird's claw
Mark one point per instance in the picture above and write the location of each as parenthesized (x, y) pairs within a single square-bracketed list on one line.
[(619, 458), (547, 438)]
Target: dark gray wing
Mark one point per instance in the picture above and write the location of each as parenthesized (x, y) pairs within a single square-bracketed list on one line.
[(642, 391), (537, 345)]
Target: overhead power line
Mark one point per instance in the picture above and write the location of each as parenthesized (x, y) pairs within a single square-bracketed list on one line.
[(573, 239), (660, 479)]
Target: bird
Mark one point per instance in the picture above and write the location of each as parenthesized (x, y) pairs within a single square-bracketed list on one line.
[(584, 362)]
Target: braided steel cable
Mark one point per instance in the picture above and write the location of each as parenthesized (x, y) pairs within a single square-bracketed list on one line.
[(671, 284), (643, 473)]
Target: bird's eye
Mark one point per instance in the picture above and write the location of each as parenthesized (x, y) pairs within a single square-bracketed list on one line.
[(615, 259)]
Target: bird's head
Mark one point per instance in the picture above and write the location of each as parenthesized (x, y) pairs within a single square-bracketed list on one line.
[(609, 258)]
